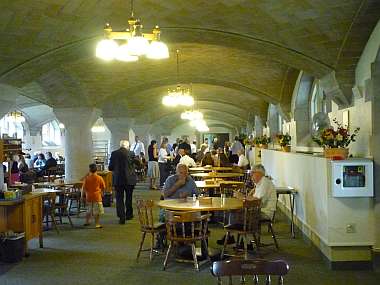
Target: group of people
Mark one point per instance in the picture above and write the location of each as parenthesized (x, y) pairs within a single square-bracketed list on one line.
[(123, 163), (25, 168)]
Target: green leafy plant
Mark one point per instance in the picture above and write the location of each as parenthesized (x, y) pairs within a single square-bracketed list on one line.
[(284, 140)]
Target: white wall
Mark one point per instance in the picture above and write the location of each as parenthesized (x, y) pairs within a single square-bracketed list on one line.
[(321, 213)]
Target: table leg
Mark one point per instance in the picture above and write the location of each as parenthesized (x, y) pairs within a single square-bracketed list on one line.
[(291, 198)]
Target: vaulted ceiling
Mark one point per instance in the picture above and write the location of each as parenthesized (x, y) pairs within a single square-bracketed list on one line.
[(238, 55)]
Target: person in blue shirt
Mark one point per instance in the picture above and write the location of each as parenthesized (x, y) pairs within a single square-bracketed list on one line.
[(179, 185)]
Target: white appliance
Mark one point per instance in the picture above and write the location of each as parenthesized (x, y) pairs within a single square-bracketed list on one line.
[(352, 178)]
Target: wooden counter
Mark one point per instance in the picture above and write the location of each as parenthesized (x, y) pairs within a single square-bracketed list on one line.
[(24, 215)]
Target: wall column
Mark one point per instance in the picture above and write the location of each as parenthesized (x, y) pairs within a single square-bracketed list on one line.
[(258, 126), (119, 128), (78, 139)]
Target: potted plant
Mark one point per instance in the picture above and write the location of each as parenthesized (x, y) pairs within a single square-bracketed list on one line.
[(335, 141), (284, 141), (256, 141), (264, 141)]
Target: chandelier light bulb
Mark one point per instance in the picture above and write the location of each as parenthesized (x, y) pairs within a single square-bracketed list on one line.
[(138, 46), (122, 54), (61, 126), (157, 50), (106, 49), (98, 129)]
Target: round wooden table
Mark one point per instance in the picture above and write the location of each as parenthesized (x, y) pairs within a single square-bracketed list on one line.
[(215, 184), (217, 204), (215, 169), (217, 175)]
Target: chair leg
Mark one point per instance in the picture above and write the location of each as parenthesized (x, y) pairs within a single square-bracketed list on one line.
[(273, 236), (244, 237), (53, 222), (69, 218), (79, 204), (141, 245), (151, 247), (167, 254), (257, 243), (224, 245), (194, 252)]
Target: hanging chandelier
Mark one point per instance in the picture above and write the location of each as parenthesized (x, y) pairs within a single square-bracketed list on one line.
[(132, 43), (191, 115), (180, 96), (15, 117), (200, 125)]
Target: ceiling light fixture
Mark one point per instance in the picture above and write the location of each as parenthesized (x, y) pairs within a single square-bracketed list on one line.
[(128, 45), (15, 117), (180, 96)]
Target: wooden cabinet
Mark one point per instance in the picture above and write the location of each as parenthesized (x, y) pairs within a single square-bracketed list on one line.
[(107, 177), (23, 216)]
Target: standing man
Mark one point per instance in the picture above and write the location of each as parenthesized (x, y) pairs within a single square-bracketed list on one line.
[(138, 147), (122, 164), (235, 150)]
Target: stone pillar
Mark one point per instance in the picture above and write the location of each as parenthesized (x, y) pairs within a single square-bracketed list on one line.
[(258, 126), (119, 128), (374, 91), (5, 107), (273, 123), (78, 139)]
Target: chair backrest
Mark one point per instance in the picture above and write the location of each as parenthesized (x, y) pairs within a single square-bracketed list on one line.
[(252, 268), (145, 213), (228, 189), (50, 199), (186, 226), (251, 214)]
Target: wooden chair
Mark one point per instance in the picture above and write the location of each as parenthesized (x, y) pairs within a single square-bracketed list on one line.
[(248, 225), (269, 223), (229, 189), (74, 195), (50, 174), (49, 210), (252, 268), (186, 228), (147, 224), (62, 207)]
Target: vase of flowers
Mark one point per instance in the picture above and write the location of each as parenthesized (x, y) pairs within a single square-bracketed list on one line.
[(335, 141), (264, 141), (284, 141)]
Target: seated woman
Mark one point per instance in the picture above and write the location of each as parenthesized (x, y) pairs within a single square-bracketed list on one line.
[(200, 154), (207, 159), (243, 161), (224, 162)]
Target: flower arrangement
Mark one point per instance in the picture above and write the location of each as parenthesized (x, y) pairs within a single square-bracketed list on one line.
[(339, 138), (284, 140), (262, 140)]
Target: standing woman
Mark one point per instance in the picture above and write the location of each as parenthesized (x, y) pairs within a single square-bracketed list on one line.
[(163, 163), (153, 170)]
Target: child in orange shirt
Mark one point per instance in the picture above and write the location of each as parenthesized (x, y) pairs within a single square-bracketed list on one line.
[(93, 187)]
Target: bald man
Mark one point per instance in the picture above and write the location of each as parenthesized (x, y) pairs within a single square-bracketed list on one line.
[(180, 185)]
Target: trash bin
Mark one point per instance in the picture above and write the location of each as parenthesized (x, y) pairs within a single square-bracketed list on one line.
[(12, 247), (107, 200)]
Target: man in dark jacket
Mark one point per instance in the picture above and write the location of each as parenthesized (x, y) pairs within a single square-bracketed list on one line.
[(122, 164)]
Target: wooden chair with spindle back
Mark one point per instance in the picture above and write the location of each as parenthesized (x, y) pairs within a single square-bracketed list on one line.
[(147, 224), (74, 195), (254, 268), (186, 228), (246, 222), (49, 210)]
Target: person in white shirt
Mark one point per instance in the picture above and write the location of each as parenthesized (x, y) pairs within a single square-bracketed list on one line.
[(163, 157), (138, 146), (235, 150), (193, 147), (187, 160), (264, 190), (243, 161)]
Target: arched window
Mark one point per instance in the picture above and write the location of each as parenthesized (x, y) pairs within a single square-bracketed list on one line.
[(316, 103), (51, 134), (11, 125)]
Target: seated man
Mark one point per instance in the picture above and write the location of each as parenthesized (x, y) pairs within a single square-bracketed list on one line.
[(264, 190), (186, 159), (50, 163), (179, 185)]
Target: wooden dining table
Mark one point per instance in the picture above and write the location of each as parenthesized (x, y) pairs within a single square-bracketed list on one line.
[(203, 184), (208, 204), (210, 169), (217, 175), (55, 184)]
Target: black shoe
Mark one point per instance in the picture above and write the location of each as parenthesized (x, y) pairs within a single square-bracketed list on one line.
[(121, 222), (129, 217), (250, 246), (230, 240)]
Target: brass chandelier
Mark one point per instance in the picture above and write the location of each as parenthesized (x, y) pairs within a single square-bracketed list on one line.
[(130, 44)]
